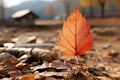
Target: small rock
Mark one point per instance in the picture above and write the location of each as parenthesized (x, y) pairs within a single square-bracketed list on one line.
[(113, 53), (6, 57), (9, 45), (41, 55), (95, 71), (115, 56), (39, 41), (24, 39), (106, 46)]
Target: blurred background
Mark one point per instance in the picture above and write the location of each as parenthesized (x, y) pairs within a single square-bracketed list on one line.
[(59, 9)]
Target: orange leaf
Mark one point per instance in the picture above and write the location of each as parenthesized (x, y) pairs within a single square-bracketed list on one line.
[(28, 77), (75, 37)]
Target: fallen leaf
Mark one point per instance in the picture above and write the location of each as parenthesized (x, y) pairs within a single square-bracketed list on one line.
[(50, 78), (75, 37), (103, 78), (117, 76), (1, 68), (43, 66), (20, 65), (58, 65), (28, 77), (53, 73)]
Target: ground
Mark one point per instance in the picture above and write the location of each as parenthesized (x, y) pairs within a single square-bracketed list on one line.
[(101, 62)]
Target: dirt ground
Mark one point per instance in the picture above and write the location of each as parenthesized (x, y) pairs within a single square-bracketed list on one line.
[(101, 62)]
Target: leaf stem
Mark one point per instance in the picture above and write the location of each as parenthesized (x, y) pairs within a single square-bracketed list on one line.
[(78, 61)]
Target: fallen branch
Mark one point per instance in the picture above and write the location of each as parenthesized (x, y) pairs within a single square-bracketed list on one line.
[(34, 54), (30, 45)]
